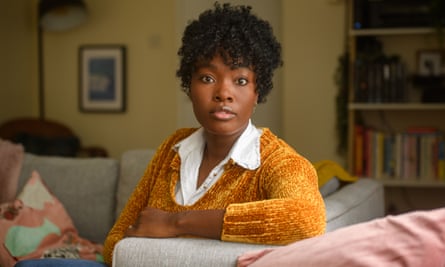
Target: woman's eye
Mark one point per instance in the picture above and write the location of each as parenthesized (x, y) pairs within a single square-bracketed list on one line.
[(207, 79), (242, 81)]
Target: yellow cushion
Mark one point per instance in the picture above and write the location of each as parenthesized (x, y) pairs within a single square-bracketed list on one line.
[(327, 169)]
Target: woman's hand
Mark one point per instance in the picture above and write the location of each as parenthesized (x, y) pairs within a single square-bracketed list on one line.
[(158, 223), (154, 223)]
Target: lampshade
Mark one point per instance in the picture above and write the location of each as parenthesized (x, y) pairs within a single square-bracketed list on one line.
[(60, 15)]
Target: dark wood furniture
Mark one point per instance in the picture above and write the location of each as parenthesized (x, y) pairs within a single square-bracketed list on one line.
[(47, 137)]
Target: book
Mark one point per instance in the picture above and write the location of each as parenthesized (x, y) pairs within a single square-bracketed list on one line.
[(441, 159), (389, 156), (378, 154), (358, 150)]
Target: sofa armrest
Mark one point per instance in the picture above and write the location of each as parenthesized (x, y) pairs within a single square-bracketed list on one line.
[(138, 252), (354, 203)]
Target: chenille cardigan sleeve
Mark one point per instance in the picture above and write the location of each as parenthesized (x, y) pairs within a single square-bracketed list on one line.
[(278, 203)]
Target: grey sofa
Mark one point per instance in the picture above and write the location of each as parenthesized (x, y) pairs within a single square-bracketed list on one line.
[(94, 191)]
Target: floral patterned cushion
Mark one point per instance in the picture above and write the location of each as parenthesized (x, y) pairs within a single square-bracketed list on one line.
[(36, 225)]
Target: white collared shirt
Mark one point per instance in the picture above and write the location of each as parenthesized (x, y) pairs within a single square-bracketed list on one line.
[(245, 152)]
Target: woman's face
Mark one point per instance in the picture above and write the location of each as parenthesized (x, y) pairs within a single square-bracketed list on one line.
[(223, 97)]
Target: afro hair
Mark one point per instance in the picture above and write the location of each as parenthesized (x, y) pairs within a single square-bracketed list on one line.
[(240, 37)]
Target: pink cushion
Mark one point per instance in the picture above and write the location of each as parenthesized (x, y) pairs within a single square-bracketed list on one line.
[(412, 239), (11, 157), (37, 225)]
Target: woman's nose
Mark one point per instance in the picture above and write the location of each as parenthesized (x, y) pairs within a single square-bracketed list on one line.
[(223, 92)]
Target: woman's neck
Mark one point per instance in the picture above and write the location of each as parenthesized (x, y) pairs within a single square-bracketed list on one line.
[(217, 147)]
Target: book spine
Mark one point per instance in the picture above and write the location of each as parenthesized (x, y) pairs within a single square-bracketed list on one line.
[(378, 154), (441, 159), (358, 150)]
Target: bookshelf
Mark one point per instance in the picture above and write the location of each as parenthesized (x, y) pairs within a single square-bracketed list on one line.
[(412, 183), (385, 102), (395, 106), (391, 31)]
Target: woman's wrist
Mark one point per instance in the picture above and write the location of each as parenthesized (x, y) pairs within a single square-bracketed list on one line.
[(204, 223)]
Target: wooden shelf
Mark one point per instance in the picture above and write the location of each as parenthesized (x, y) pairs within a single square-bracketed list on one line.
[(394, 182), (391, 31), (396, 106)]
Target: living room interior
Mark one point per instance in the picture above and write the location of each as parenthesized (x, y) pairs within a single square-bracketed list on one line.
[(301, 109)]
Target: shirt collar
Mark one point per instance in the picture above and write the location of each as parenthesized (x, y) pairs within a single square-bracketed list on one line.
[(245, 152)]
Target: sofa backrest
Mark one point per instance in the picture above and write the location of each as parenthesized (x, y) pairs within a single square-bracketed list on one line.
[(132, 166), (85, 186)]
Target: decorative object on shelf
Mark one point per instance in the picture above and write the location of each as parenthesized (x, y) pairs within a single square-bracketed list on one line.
[(430, 77), (430, 62), (55, 15), (102, 78)]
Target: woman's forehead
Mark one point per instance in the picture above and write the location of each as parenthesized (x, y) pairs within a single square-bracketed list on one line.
[(232, 62)]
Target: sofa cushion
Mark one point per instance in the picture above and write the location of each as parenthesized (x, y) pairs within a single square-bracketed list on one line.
[(355, 202), (37, 225), (86, 187), (330, 187), (133, 165), (11, 157), (328, 169)]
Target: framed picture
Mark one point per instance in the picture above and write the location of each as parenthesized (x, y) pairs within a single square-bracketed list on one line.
[(429, 62), (102, 78)]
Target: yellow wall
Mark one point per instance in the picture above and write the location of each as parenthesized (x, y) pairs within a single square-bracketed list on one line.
[(312, 34), (313, 39), (18, 65), (149, 36)]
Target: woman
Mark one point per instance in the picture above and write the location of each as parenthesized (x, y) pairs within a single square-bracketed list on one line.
[(228, 179)]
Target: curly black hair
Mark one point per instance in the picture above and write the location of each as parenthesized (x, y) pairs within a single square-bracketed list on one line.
[(240, 37)]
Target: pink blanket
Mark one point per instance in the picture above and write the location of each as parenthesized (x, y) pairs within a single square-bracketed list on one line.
[(11, 157), (415, 239)]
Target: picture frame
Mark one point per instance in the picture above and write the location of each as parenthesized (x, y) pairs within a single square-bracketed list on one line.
[(102, 78), (430, 62)]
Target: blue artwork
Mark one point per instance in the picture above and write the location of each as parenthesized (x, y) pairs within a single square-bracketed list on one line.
[(101, 84)]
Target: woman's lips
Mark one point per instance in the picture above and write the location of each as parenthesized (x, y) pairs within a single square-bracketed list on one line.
[(223, 113)]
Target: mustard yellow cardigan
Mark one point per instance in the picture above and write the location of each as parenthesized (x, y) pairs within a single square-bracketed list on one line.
[(278, 203)]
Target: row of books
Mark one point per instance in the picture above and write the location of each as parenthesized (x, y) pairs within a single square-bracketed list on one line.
[(381, 80), (417, 153)]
